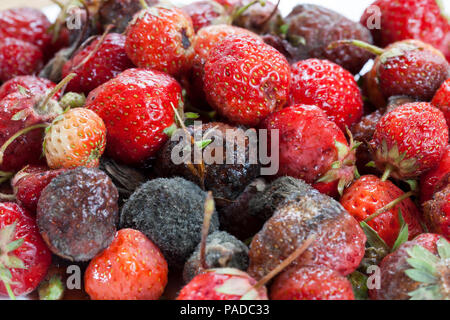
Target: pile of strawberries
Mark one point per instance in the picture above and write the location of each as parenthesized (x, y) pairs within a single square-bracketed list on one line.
[(86, 118)]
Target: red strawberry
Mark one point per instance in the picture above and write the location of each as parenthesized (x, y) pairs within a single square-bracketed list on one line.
[(328, 86), (131, 268), (205, 40), (417, 270), (369, 194), (29, 182), (25, 258), (437, 212), (34, 85), (409, 140), (76, 138), (206, 12), (435, 179), (406, 68), (100, 61), (245, 79), (441, 100), (410, 19), (312, 148), (136, 107), (27, 24), (222, 284), (161, 39), (18, 58), (311, 283)]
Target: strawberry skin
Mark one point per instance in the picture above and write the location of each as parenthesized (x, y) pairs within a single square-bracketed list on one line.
[(204, 13), (312, 147), (311, 283), (29, 182), (161, 39), (34, 85), (411, 19), (107, 62), (27, 24), (369, 194), (437, 213), (410, 140), (441, 100), (18, 58), (76, 138), (330, 87), (136, 107), (245, 79), (131, 268), (34, 254), (435, 179)]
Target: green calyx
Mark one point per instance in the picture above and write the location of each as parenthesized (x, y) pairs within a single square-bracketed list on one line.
[(52, 289), (72, 100), (393, 162), (7, 259), (431, 271)]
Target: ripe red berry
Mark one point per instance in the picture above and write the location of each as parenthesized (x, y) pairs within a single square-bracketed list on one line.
[(409, 19), (161, 39), (18, 58), (97, 63), (312, 148), (34, 85), (136, 107), (441, 100), (367, 195), (27, 24), (311, 283), (25, 258), (328, 86), (245, 79), (29, 182), (436, 179), (131, 268), (409, 140)]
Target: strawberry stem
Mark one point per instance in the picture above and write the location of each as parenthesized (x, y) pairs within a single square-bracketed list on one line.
[(97, 47), (389, 206), (387, 172), (241, 10), (58, 87), (7, 197), (209, 210), (18, 134), (9, 290), (144, 4), (358, 43), (286, 262)]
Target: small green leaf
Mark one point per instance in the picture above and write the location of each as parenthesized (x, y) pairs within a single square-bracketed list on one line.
[(373, 238), (403, 234), (426, 293), (421, 265), (203, 144), (420, 276), (341, 148), (170, 129), (371, 164), (421, 253), (443, 247), (7, 233), (11, 246), (14, 262), (52, 289), (191, 115), (19, 115), (413, 185), (284, 29), (359, 284)]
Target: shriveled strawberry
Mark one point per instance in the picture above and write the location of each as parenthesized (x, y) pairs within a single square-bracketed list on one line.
[(34, 85), (369, 194), (27, 24), (136, 107), (222, 284), (245, 79), (18, 58), (161, 39), (207, 38), (437, 212), (100, 61), (29, 182), (409, 140), (409, 19), (436, 179), (206, 12), (312, 148), (328, 86), (76, 138), (311, 283), (406, 68), (131, 268), (441, 100), (417, 270), (25, 258)]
